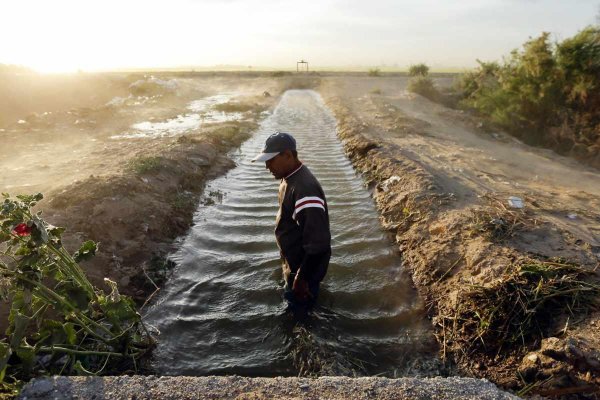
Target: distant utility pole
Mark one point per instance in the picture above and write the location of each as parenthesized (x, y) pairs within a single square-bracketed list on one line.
[(299, 63)]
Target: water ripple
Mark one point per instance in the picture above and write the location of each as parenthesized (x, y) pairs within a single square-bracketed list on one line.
[(222, 312)]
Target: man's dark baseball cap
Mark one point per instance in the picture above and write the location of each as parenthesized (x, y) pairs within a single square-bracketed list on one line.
[(275, 144)]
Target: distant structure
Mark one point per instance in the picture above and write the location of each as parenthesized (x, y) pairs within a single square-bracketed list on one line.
[(300, 66)]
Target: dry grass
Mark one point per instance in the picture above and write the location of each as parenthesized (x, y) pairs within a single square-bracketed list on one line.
[(312, 360), (520, 308), (496, 222)]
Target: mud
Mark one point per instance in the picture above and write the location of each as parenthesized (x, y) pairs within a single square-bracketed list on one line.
[(425, 168)]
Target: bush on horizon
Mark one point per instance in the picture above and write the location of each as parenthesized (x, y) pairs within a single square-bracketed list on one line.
[(374, 72), (418, 70)]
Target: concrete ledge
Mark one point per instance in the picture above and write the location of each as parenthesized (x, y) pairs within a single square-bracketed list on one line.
[(235, 387)]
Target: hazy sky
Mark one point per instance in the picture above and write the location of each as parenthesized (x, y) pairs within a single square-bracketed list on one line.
[(65, 35)]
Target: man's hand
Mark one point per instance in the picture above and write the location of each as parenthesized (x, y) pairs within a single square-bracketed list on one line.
[(300, 289)]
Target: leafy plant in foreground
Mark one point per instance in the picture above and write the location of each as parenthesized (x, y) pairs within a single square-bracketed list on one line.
[(59, 322)]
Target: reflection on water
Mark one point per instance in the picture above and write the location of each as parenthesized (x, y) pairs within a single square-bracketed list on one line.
[(202, 112), (222, 312)]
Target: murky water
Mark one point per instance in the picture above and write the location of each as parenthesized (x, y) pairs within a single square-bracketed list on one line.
[(222, 311)]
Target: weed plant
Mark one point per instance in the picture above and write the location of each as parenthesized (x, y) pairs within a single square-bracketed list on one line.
[(144, 165), (59, 322)]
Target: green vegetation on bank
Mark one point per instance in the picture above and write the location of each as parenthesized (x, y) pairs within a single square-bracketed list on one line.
[(59, 323), (546, 93)]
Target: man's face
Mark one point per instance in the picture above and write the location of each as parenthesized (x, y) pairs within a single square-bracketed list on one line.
[(280, 165)]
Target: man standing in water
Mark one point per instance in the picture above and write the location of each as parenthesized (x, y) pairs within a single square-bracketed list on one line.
[(302, 225)]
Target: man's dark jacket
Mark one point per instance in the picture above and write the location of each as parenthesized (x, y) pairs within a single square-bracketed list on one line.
[(302, 229)]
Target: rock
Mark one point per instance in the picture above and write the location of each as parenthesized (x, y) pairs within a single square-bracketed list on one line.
[(40, 387), (572, 350), (553, 347), (124, 281), (529, 366)]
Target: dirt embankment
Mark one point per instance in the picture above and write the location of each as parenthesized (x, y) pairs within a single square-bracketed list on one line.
[(511, 291), (136, 215)]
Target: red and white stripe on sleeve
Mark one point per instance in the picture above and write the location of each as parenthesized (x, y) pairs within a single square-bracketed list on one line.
[(307, 202)]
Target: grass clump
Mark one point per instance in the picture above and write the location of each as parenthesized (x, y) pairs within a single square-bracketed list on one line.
[(144, 165), (183, 201), (313, 359), (520, 308), (496, 222)]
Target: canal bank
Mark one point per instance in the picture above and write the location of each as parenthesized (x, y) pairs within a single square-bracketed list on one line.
[(468, 252)]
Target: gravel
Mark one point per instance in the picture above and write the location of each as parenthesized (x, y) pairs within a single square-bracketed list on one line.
[(236, 387)]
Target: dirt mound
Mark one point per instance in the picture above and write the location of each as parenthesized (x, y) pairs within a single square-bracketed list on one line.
[(136, 215)]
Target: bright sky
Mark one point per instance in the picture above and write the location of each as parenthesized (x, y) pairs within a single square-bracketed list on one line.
[(66, 35)]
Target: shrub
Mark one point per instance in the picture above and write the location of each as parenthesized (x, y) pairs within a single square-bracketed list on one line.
[(548, 94), (418, 70), (578, 58), (374, 72), (424, 86)]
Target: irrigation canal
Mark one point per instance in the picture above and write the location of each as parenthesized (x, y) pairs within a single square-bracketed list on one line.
[(222, 311)]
